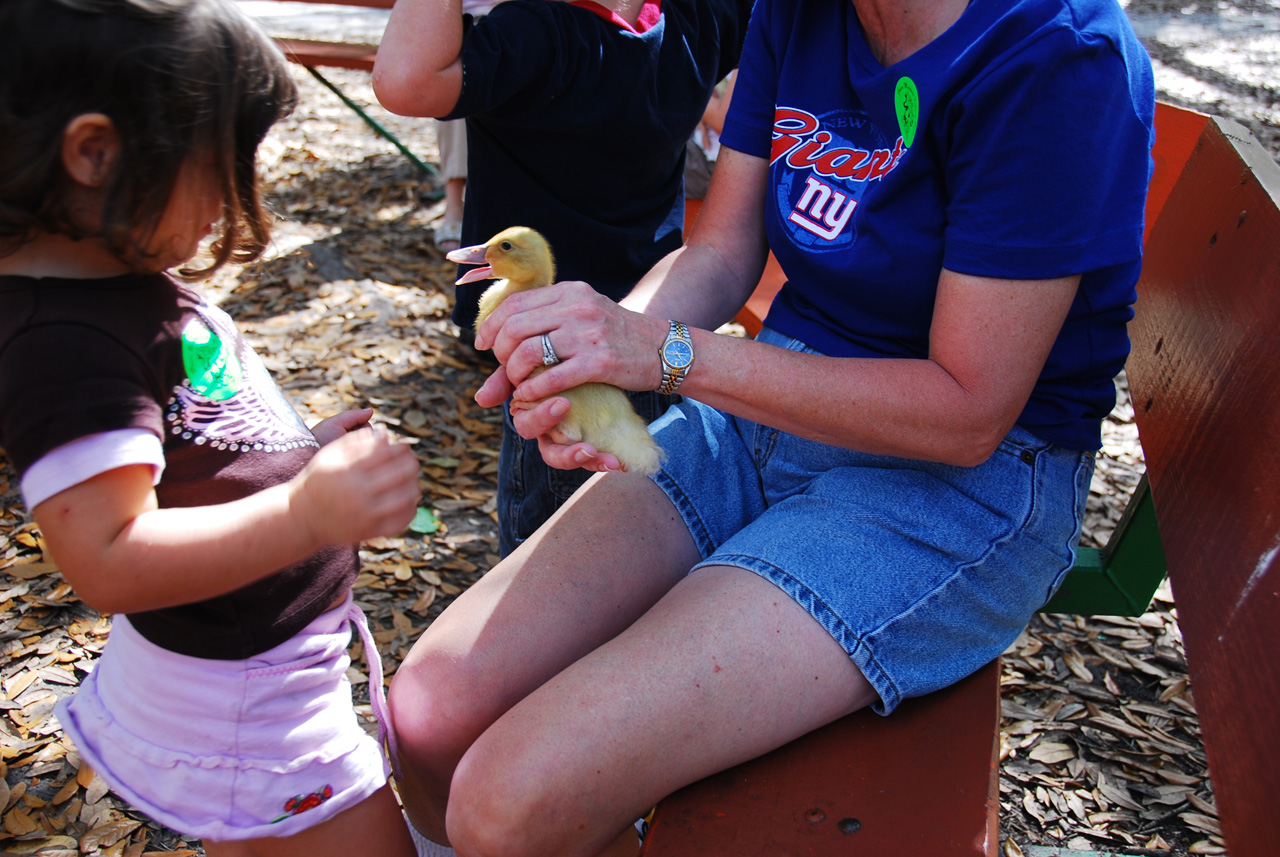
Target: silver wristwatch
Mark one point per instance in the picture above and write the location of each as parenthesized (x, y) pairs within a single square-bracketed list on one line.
[(677, 356)]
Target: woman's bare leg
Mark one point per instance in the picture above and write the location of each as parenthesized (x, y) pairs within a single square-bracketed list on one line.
[(722, 669), (604, 559), (587, 676)]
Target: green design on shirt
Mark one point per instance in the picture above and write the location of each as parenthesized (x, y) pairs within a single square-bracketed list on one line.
[(906, 99), (212, 368)]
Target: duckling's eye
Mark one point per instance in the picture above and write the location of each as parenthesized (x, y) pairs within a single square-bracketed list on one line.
[(505, 245)]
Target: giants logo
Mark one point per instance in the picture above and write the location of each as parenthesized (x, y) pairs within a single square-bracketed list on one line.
[(809, 214), (824, 208)]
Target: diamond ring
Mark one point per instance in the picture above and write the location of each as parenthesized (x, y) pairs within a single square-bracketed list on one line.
[(549, 356)]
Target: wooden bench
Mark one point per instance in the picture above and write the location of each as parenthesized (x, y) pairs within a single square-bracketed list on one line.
[(1205, 381), (318, 52)]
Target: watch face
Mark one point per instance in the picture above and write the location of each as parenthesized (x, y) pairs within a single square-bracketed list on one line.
[(677, 354)]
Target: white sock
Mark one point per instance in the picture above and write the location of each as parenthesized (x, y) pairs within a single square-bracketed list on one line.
[(427, 848)]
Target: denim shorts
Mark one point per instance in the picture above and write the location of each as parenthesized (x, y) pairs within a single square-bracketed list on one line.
[(922, 572)]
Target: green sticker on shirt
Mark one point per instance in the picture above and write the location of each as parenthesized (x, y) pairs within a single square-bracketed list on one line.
[(906, 100), (212, 368)]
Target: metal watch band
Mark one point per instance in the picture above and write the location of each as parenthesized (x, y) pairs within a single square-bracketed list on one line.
[(673, 376)]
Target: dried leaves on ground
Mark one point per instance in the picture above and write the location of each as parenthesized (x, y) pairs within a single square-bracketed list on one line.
[(1100, 747)]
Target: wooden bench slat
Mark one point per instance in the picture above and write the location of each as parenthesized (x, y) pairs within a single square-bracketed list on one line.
[(921, 782), (310, 52), (1177, 133), (1206, 390)]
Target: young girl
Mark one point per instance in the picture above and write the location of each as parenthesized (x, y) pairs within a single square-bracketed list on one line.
[(175, 486)]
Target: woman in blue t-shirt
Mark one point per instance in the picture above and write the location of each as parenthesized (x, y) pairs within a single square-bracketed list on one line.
[(867, 502)]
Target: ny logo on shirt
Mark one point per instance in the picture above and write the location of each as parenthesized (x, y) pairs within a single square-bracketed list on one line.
[(813, 213), (835, 173)]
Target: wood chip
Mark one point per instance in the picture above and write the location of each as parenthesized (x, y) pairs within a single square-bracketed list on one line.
[(1201, 822)]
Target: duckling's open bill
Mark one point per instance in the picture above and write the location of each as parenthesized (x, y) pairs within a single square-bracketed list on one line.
[(473, 255)]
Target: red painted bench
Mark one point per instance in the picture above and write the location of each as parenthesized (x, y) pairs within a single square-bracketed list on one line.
[(1205, 381), (317, 52)]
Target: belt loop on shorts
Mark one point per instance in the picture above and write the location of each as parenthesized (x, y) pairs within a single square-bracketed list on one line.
[(377, 693)]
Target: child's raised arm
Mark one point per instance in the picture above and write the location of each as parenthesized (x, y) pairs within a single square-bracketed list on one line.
[(418, 71), (124, 555)]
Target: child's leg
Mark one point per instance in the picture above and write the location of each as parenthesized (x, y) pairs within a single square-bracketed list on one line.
[(452, 139), (373, 826)]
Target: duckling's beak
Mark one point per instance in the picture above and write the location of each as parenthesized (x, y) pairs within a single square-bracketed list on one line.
[(473, 255)]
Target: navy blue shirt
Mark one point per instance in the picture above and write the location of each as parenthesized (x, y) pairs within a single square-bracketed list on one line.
[(1015, 145), (577, 124)]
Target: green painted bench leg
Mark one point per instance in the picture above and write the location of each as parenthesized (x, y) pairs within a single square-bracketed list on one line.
[(378, 128), (1119, 579)]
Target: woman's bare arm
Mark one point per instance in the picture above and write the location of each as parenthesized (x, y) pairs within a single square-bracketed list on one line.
[(988, 344)]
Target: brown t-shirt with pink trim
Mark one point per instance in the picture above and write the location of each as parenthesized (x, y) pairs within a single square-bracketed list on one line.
[(82, 357)]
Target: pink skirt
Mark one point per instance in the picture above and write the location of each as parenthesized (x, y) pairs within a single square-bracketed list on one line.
[(227, 750)]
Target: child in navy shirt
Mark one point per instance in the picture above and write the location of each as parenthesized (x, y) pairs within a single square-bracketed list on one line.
[(577, 114)]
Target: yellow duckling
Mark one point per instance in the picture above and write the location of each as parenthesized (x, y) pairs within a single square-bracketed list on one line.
[(600, 414)]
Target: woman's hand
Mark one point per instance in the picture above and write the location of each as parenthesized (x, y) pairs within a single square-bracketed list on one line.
[(595, 339), (541, 421)]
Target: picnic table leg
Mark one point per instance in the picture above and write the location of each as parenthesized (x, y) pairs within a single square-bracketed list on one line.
[(380, 129)]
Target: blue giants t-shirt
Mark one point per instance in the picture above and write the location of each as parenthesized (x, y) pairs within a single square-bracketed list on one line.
[(1015, 145)]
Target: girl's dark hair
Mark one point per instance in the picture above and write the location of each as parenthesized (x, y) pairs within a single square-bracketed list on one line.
[(176, 77)]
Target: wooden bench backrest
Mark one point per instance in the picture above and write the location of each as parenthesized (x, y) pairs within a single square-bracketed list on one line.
[(1205, 379), (317, 52)]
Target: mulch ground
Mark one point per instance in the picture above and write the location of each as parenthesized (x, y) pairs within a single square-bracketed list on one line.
[(1100, 744)]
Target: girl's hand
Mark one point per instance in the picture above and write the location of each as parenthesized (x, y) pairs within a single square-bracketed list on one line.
[(359, 486), (119, 549), (331, 428)]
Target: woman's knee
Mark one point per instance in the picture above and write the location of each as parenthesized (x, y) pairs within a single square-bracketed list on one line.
[(493, 812), (436, 709)]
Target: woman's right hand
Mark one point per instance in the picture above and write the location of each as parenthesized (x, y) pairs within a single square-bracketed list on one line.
[(596, 340), (540, 420), (362, 485)]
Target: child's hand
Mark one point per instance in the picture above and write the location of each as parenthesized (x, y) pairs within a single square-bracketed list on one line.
[(331, 428), (359, 486)]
